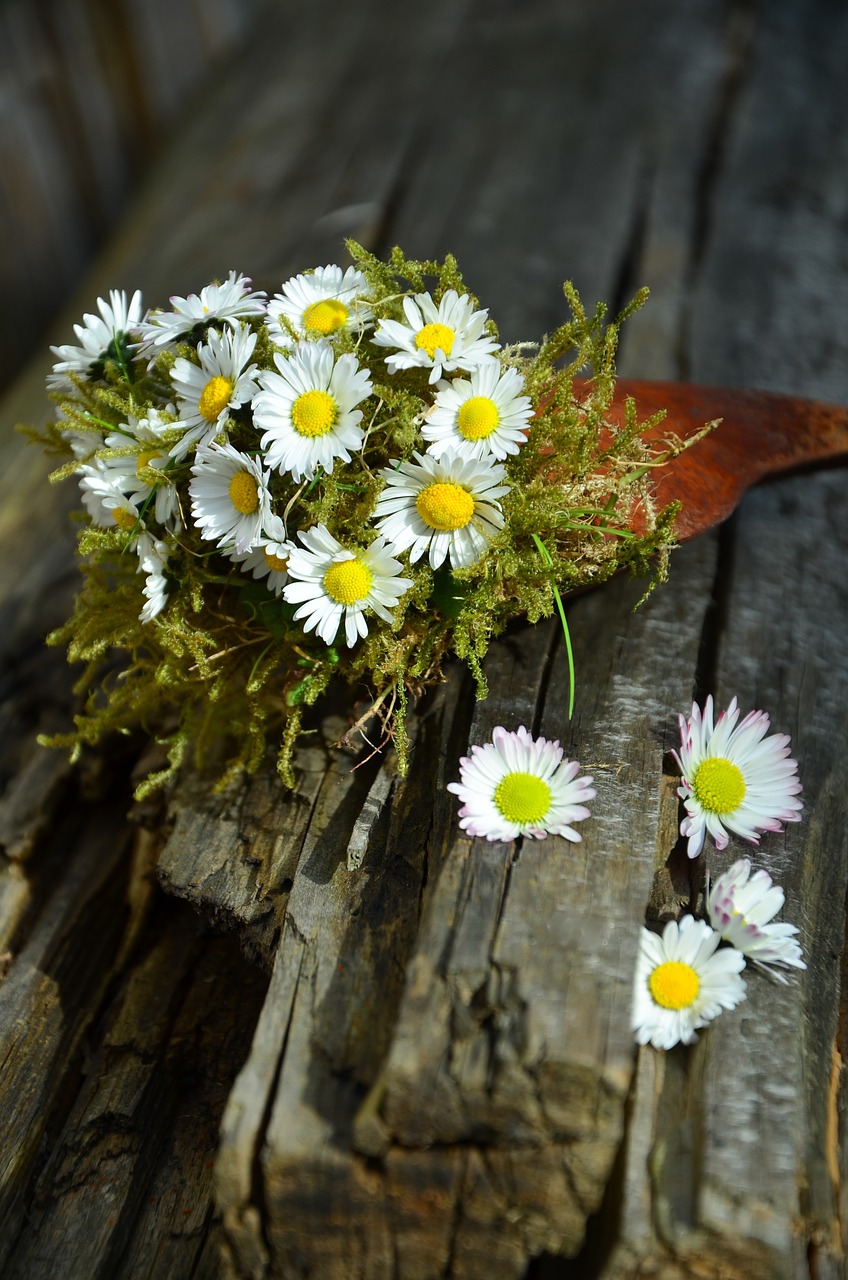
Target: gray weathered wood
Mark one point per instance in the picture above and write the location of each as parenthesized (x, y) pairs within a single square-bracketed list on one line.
[(441, 1081)]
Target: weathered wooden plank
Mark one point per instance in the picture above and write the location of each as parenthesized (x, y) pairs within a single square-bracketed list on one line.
[(733, 1164), (126, 1186), (277, 180), (71, 948)]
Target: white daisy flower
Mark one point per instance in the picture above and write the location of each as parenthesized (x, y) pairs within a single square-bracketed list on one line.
[(440, 338), (442, 505), (230, 302), (307, 410), (332, 584), (734, 778), (133, 472), (318, 305), (485, 415), (518, 785), (682, 982), (269, 557), (106, 335), (105, 501), (206, 392), (153, 561), (229, 496), (740, 909)]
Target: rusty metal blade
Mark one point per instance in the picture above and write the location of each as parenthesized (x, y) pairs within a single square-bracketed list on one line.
[(762, 434)]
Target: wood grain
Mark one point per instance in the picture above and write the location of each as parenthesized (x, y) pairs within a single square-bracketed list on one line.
[(441, 1082)]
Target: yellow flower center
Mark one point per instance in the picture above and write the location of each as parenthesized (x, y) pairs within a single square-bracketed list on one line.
[(477, 418), (718, 785), (445, 506), (278, 563), (314, 413), (215, 397), (145, 459), (244, 492), (347, 581), (433, 338), (674, 985), (125, 518), (522, 798), (325, 317)]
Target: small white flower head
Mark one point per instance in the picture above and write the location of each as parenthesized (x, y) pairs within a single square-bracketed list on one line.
[(682, 982), (229, 302), (518, 785), (106, 335), (269, 557), (740, 907), (332, 585), (734, 777), (143, 476), (153, 562), (482, 416), (319, 305), (442, 505), (207, 392), (229, 497), (440, 338), (307, 409), (106, 502)]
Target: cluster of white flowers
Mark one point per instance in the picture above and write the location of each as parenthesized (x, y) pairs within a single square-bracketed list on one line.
[(734, 779), (521, 786), (237, 427)]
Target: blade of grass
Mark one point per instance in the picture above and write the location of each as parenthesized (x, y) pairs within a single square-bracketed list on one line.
[(548, 560)]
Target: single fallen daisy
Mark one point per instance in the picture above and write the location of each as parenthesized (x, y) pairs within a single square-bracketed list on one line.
[(734, 777), (440, 337), (444, 506), (107, 336), (319, 304), (682, 982), (518, 785), (231, 301), (741, 907), (307, 409), (333, 585), (484, 415)]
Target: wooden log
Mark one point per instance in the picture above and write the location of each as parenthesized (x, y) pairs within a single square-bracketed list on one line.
[(440, 1079)]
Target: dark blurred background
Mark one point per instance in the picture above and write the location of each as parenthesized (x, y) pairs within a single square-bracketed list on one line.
[(699, 148)]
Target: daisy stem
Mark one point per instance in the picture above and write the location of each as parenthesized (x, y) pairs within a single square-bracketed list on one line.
[(548, 560)]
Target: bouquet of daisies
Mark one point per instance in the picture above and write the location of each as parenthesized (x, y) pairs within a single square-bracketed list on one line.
[(352, 478)]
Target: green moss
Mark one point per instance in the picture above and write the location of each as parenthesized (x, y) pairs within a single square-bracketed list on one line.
[(225, 659)]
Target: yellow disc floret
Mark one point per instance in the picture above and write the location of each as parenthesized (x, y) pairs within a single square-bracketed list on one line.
[(523, 798), (445, 507), (325, 317), (347, 581), (279, 564), (244, 492), (433, 338), (718, 785), (125, 518), (477, 418), (146, 458), (674, 985), (314, 413), (215, 397)]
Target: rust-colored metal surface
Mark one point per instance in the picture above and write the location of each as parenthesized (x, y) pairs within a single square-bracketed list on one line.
[(761, 434)]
